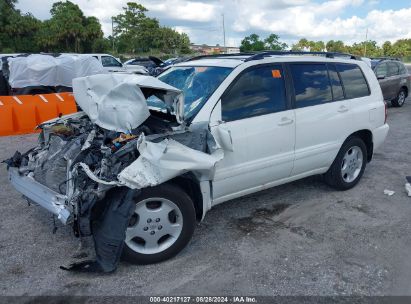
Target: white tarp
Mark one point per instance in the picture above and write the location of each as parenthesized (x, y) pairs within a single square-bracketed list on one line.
[(115, 101), (160, 162), (46, 70)]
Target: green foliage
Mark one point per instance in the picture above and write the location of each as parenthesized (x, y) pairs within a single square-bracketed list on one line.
[(253, 43), (401, 48), (313, 46), (68, 30), (136, 33)]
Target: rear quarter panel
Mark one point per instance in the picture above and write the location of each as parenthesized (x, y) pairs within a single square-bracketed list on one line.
[(368, 113)]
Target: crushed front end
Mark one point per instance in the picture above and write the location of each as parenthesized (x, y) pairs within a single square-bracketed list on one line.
[(88, 166)]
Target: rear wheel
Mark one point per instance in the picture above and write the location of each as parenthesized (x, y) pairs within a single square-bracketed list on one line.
[(161, 226), (400, 99), (348, 167)]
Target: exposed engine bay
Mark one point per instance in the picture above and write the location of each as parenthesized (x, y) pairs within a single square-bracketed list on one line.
[(86, 174)]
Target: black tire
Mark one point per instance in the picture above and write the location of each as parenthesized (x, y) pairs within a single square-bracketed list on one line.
[(400, 99), (334, 177), (186, 207), (4, 88)]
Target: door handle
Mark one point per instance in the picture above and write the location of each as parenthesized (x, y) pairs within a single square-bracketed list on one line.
[(342, 109), (285, 121)]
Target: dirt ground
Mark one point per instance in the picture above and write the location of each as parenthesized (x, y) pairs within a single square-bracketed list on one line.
[(301, 238)]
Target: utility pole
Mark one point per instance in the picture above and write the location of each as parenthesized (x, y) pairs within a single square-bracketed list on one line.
[(365, 44), (112, 31), (223, 29)]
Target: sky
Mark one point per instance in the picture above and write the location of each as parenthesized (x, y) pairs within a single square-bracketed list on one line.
[(202, 20)]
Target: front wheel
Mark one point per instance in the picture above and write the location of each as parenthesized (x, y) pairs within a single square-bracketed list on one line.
[(348, 166), (400, 99), (161, 226)]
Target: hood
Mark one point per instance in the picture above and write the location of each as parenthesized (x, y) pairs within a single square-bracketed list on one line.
[(118, 102), (156, 60)]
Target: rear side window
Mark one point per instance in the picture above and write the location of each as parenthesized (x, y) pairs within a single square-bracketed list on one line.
[(336, 85), (258, 91), (381, 70), (403, 69), (353, 81), (393, 69), (109, 61), (311, 84)]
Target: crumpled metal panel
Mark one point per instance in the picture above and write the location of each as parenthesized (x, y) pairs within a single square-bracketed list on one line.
[(115, 101), (160, 162)]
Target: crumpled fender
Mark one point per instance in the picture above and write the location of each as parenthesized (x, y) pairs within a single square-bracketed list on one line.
[(160, 162)]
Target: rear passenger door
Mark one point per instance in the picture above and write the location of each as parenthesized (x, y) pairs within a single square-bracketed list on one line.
[(393, 79), (256, 112), (322, 115), (381, 71)]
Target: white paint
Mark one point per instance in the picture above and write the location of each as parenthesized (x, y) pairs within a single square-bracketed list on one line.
[(160, 162), (46, 70), (116, 102), (43, 98), (17, 100), (59, 97)]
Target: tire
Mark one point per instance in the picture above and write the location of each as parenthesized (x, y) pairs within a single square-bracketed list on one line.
[(4, 89), (147, 240), (400, 99), (347, 169)]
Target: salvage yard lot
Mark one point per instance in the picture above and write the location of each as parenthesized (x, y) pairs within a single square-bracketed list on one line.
[(302, 238)]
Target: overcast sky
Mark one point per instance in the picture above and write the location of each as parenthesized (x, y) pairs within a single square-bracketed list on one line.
[(345, 20)]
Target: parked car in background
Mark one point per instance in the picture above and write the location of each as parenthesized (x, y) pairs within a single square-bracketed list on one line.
[(394, 79), (151, 64), (45, 73), (110, 63)]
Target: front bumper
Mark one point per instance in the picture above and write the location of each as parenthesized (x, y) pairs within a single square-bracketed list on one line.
[(40, 194)]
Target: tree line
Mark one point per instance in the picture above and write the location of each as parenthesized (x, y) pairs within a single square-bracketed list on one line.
[(69, 30), (370, 48)]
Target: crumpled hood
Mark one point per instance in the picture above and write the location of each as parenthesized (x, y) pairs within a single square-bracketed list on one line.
[(116, 101)]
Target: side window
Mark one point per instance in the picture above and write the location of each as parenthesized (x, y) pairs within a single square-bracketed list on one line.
[(392, 69), (258, 91), (381, 70), (311, 84), (353, 81), (338, 93), (402, 68), (109, 61)]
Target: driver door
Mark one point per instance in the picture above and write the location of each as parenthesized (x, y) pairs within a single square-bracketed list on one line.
[(255, 112)]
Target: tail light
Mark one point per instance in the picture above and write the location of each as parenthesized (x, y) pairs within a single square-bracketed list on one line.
[(386, 112)]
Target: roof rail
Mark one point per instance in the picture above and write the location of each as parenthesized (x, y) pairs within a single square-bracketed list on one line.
[(222, 55), (264, 54)]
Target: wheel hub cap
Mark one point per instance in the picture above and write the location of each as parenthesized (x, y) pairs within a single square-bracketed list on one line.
[(352, 164), (155, 225), (401, 98)]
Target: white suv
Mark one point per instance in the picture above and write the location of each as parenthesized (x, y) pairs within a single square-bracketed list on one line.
[(140, 177)]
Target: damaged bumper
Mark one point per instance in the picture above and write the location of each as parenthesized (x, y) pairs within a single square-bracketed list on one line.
[(40, 194)]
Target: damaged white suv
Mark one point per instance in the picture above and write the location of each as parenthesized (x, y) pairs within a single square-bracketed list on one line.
[(148, 157)]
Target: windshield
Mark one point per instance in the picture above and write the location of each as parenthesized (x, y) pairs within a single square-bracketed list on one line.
[(197, 84)]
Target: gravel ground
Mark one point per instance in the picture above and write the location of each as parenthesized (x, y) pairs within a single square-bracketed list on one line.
[(301, 238)]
